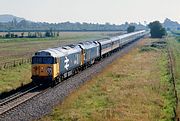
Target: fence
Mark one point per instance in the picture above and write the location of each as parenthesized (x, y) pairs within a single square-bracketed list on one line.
[(14, 63)]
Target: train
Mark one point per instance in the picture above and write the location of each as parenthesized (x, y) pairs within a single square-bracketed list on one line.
[(53, 65)]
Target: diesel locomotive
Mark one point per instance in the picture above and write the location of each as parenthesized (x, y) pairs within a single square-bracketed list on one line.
[(53, 65)]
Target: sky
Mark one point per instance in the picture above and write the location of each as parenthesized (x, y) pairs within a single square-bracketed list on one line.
[(93, 11)]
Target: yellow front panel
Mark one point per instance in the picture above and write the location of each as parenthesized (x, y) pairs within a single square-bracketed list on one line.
[(44, 70), (82, 57), (41, 69), (55, 70)]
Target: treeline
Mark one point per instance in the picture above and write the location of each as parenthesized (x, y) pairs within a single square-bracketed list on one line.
[(29, 26), (30, 34)]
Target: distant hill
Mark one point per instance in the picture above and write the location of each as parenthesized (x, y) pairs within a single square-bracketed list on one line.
[(172, 25), (9, 18), (13, 23)]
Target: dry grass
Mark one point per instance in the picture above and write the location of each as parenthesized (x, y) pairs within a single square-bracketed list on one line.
[(133, 88)]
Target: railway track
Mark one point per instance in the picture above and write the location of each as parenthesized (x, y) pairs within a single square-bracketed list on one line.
[(13, 101)]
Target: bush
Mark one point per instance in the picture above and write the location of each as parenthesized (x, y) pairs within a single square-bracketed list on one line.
[(130, 29), (147, 48)]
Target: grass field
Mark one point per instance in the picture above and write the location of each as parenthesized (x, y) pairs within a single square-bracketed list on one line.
[(136, 87), (14, 49), (15, 77), (175, 46), (11, 49)]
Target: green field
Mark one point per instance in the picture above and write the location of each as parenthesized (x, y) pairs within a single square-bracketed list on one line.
[(134, 87), (14, 77), (174, 44), (23, 48)]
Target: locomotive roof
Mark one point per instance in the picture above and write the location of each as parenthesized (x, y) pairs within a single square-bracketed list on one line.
[(59, 51), (70, 49), (54, 52), (88, 44)]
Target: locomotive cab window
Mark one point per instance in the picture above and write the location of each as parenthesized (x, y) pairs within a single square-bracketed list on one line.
[(43, 60)]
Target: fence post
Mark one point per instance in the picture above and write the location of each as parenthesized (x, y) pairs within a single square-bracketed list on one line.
[(4, 65), (19, 62), (14, 63)]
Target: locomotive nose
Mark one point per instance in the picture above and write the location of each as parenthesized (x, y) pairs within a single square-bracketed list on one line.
[(41, 69)]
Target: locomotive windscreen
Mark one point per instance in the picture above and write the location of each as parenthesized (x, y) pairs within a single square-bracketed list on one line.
[(43, 60)]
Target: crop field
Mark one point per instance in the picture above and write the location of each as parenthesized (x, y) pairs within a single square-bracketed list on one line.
[(134, 87), (14, 51)]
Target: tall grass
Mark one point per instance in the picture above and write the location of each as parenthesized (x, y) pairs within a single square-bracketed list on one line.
[(174, 44)]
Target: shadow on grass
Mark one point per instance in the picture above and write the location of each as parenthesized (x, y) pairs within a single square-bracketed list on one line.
[(14, 91)]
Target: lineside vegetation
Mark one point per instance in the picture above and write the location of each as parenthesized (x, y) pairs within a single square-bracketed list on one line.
[(174, 44)]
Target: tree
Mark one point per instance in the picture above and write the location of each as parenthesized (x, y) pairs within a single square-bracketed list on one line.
[(22, 34), (47, 34), (7, 35), (29, 34), (157, 30), (57, 34), (130, 29)]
